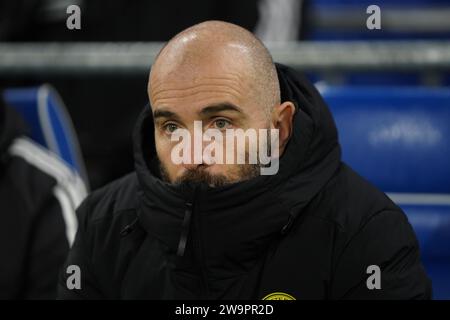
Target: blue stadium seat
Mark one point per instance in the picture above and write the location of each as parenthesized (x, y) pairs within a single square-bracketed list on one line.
[(49, 122), (398, 138)]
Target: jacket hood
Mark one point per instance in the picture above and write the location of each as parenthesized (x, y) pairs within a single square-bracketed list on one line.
[(248, 213)]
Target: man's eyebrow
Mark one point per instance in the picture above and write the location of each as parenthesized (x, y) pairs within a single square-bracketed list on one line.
[(162, 113), (220, 107)]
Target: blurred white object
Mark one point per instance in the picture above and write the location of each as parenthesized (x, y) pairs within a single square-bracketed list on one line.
[(279, 20)]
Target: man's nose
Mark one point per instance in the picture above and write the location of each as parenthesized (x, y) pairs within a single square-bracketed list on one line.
[(197, 145)]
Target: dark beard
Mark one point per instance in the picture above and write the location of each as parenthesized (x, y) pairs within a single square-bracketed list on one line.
[(200, 175)]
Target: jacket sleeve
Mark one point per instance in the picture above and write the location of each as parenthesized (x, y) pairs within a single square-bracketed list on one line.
[(386, 241), (76, 278), (47, 251)]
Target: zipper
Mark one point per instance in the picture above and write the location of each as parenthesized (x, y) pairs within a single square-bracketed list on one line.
[(185, 229), (205, 291), (192, 219)]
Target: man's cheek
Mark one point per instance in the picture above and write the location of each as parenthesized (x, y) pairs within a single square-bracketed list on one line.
[(163, 149)]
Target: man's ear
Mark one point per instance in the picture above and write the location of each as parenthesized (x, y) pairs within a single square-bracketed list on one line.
[(283, 117)]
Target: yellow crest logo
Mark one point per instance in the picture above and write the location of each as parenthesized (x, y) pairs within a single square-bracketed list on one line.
[(278, 296)]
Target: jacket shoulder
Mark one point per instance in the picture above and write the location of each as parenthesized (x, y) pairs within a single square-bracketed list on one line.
[(111, 201), (352, 201)]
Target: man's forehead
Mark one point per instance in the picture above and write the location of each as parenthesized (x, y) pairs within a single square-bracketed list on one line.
[(207, 88), (191, 73), (194, 84), (186, 68)]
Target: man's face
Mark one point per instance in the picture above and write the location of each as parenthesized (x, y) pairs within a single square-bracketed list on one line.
[(221, 99)]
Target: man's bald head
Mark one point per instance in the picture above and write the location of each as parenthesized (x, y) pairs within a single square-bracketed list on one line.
[(219, 76), (223, 45)]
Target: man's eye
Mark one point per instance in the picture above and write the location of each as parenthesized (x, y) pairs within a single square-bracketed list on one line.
[(170, 128), (221, 124)]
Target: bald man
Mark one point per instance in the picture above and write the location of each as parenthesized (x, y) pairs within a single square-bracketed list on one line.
[(203, 228)]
